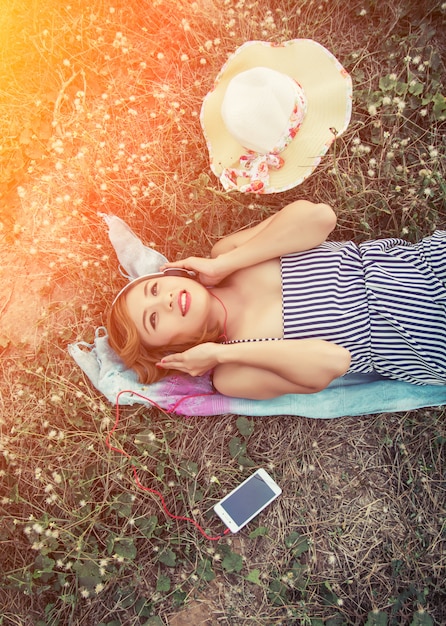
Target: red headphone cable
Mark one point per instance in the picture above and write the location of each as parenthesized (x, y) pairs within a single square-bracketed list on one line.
[(135, 472)]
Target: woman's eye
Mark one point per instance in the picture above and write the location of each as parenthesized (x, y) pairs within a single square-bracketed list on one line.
[(154, 289), (153, 321)]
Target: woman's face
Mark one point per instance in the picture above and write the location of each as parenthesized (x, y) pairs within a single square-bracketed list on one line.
[(168, 310)]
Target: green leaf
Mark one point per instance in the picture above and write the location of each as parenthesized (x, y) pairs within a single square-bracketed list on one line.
[(297, 543), (245, 461), (168, 557), (245, 426), (439, 105), (254, 577), (163, 583), (14, 494), (204, 570), (329, 596), (188, 468), (401, 88), (143, 608), (179, 597), (376, 618), (232, 562), (25, 136), (416, 88), (195, 495), (386, 83), (160, 469), (154, 621), (110, 542), (87, 573), (125, 548), (147, 525), (122, 504), (336, 620), (278, 593), (44, 565), (261, 531), (237, 447), (146, 439), (421, 618)]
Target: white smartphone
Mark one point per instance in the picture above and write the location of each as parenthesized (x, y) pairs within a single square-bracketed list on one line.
[(247, 500)]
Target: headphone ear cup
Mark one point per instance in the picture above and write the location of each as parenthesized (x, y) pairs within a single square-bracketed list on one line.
[(190, 274), (179, 271)]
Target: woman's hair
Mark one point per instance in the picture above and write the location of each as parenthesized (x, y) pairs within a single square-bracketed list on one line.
[(124, 339)]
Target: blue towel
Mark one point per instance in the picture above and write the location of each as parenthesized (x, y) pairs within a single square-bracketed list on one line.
[(354, 394)]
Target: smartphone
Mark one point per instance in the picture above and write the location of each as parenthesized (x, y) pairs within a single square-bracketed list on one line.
[(247, 500)]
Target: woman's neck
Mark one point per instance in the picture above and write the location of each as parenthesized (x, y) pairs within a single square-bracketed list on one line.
[(219, 312)]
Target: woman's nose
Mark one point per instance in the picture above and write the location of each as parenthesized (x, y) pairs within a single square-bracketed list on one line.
[(168, 300)]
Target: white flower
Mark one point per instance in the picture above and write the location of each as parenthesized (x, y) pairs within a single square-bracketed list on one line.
[(57, 478)]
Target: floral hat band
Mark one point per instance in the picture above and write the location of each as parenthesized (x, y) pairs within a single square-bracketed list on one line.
[(282, 114)]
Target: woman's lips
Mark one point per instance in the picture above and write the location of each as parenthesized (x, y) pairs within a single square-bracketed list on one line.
[(184, 302)]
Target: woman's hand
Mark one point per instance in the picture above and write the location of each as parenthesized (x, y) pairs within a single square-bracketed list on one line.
[(196, 361), (210, 271)]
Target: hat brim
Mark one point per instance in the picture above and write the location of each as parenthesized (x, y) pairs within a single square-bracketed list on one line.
[(327, 87)]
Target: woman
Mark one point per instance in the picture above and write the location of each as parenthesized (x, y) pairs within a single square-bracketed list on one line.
[(278, 310)]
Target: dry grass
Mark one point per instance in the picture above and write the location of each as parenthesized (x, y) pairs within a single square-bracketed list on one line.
[(99, 109)]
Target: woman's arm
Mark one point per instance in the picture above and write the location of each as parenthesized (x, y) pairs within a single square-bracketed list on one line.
[(299, 226), (265, 369)]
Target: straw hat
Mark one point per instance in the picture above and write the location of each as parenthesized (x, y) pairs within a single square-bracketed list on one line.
[(274, 111)]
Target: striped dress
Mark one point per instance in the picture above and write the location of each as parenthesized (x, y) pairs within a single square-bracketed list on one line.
[(385, 301)]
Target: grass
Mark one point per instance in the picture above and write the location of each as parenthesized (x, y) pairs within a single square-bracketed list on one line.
[(99, 106)]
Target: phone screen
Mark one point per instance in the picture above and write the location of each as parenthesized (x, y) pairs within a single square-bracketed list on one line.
[(248, 499)]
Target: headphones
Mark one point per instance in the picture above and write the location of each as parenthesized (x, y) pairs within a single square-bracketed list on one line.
[(169, 271)]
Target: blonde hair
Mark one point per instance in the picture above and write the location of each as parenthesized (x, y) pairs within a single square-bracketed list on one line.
[(125, 341)]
